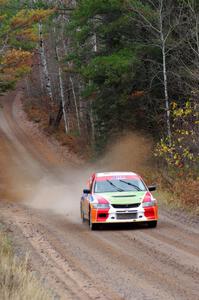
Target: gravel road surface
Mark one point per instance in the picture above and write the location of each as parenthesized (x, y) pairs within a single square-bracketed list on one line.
[(39, 192)]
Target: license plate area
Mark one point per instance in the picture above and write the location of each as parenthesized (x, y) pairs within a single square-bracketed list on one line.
[(126, 216)]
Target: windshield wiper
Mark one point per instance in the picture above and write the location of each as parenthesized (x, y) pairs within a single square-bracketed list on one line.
[(131, 184), (118, 189)]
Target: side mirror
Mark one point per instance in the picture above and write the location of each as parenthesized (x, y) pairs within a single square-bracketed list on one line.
[(86, 191), (152, 188)]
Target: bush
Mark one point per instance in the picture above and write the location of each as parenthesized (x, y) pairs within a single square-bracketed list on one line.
[(186, 193)]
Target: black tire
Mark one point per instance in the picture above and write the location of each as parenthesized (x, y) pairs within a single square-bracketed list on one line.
[(91, 225), (152, 224), (82, 214)]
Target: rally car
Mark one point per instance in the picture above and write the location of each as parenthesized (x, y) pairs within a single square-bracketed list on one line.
[(118, 197)]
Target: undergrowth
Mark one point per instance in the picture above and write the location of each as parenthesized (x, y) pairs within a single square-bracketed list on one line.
[(16, 280), (74, 142), (176, 191)]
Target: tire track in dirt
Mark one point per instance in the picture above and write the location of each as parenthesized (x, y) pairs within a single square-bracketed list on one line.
[(70, 276), (138, 258), (70, 246), (186, 241), (115, 263)]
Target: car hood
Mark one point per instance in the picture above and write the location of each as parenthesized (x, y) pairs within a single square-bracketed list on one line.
[(122, 197)]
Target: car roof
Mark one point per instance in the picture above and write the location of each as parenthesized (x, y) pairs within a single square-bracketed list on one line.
[(104, 174)]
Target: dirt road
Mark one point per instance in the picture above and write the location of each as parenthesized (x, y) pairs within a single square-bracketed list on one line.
[(40, 207)]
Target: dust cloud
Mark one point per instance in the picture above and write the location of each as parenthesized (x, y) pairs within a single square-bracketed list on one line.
[(60, 194), (130, 152), (60, 191), (31, 171), (58, 188)]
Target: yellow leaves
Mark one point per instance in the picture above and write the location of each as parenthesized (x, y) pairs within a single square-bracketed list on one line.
[(27, 35), (15, 56), (178, 112), (173, 105), (28, 17), (30, 35), (2, 17), (181, 111), (182, 152), (16, 63), (20, 31), (3, 2), (188, 104)]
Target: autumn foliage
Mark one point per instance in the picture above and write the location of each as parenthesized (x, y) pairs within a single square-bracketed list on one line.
[(18, 39), (26, 18), (182, 152), (16, 63)]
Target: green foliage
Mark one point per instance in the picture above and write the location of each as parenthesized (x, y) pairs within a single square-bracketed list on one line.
[(109, 72), (111, 69), (117, 51)]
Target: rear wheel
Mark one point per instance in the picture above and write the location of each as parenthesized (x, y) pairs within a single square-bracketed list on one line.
[(152, 224), (92, 225), (82, 214)]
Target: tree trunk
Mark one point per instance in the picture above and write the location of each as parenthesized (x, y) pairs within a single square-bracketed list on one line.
[(197, 32), (62, 91), (45, 72), (164, 70), (75, 102), (73, 89), (58, 117), (95, 42), (41, 76), (81, 103), (166, 94), (92, 124)]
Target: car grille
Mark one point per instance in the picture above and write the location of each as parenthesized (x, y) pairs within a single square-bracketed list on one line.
[(125, 205), (126, 216)]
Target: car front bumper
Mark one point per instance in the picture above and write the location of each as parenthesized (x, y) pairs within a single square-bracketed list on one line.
[(124, 215)]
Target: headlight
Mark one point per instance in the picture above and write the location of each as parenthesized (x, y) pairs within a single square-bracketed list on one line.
[(101, 206)]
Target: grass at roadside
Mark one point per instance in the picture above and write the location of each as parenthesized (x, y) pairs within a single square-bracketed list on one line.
[(175, 193), (174, 201), (16, 280)]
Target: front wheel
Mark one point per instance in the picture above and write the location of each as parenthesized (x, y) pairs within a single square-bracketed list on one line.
[(91, 225), (152, 224)]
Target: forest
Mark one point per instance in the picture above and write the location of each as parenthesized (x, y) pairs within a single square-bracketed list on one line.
[(96, 69)]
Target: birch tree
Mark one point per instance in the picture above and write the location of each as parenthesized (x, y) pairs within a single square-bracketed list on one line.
[(71, 80), (157, 17), (102, 56), (75, 102), (45, 79), (56, 38), (61, 87)]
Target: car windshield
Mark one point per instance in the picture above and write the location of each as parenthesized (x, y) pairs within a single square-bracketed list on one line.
[(119, 185)]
